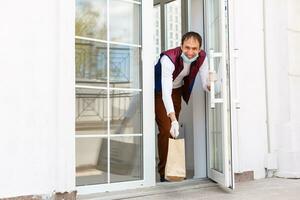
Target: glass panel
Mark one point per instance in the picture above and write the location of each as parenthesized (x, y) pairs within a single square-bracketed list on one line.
[(125, 67), (91, 19), (157, 31), (125, 109), (173, 24), (92, 104), (214, 24), (91, 111), (215, 115), (126, 160), (125, 22), (215, 137), (88, 151), (91, 63)]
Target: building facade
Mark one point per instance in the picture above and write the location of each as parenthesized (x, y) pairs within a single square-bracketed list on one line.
[(77, 92)]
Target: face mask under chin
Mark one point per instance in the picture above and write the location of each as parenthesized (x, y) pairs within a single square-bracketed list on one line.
[(188, 60)]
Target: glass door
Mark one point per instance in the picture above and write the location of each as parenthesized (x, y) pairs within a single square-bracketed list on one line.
[(219, 122), (110, 95)]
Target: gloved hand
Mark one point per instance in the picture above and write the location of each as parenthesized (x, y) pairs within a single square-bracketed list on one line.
[(174, 129)]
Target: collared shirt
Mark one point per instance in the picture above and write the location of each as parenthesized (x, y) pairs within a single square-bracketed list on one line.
[(168, 84)]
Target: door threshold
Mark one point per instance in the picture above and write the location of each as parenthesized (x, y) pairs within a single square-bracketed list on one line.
[(165, 187)]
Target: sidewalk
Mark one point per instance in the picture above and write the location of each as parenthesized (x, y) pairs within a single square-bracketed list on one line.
[(264, 189)]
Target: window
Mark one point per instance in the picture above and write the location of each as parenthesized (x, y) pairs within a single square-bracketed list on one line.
[(173, 12), (109, 131)]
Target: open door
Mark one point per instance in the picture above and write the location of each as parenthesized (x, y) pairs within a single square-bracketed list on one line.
[(220, 165)]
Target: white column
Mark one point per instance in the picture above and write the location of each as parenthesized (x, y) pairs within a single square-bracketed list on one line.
[(277, 85), (289, 137)]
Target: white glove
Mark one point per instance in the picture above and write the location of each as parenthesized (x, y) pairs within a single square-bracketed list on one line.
[(174, 129)]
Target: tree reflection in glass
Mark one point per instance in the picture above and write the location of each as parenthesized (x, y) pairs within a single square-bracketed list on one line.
[(90, 20)]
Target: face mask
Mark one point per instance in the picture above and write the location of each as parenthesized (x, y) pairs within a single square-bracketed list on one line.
[(188, 60)]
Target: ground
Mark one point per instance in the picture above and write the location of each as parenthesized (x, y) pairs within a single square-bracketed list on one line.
[(264, 189)]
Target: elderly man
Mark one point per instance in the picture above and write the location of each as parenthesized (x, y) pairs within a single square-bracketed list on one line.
[(175, 74)]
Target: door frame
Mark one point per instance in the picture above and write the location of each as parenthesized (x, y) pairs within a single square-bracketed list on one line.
[(226, 178)]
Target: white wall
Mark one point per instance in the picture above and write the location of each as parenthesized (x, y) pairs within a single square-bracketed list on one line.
[(289, 132), (37, 97), (269, 117), (252, 131), (276, 48)]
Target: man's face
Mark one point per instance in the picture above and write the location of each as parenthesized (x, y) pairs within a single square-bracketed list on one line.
[(190, 47)]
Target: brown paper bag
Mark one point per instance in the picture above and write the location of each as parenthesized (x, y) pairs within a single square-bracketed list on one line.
[(175, 166)]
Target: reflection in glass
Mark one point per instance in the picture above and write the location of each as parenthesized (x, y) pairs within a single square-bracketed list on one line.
[(173, 24), (218, 83), (87, 159), (125, 159), (214, 20), (94, 110), (91, 111), (216, 114), (215, 137), (91, 19), (125, 67), (91, 62), (125, 22), (125, 109), (157, 40)]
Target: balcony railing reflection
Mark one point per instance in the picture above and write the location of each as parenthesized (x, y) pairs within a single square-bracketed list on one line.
[(92, 110), (91, 62), (91, 70)]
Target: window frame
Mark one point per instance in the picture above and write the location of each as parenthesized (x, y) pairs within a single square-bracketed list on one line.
[(184, 19), (146, 89)]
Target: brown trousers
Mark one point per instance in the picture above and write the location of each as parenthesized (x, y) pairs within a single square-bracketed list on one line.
[(164, 126)]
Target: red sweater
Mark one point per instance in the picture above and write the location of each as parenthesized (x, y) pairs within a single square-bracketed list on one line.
[(175, 57)]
